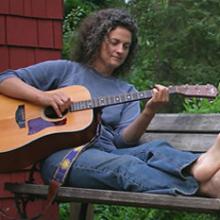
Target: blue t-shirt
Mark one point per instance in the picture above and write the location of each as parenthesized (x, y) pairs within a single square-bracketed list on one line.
[(55, 74)]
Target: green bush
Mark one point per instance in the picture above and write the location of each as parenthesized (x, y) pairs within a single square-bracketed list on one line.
[(64, 211), (107, 212), (202, 105)]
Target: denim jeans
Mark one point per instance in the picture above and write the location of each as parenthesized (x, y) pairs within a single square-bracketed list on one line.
[(154, 167)]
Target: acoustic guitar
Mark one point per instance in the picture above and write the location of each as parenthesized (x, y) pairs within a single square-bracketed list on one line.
[(30, 133)]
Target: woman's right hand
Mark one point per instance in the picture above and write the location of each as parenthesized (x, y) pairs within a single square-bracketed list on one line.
[(16, 88), (59, 101)]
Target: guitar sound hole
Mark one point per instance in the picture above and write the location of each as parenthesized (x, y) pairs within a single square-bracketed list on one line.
[(50, 113)]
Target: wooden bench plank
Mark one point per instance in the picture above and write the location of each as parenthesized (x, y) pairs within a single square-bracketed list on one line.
[(184, 141), (203, 123), (147, 200)]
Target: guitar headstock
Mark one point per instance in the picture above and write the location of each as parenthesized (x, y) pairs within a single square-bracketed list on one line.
[(201, 91)]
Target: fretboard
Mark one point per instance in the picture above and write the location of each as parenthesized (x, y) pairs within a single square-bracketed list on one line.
[(114, 100)]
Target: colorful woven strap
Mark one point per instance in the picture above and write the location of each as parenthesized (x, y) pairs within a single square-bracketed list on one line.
[(60, 176), (64, 166), (62, 170)]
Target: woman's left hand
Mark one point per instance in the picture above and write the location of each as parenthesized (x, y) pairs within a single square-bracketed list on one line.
[(160, 97)]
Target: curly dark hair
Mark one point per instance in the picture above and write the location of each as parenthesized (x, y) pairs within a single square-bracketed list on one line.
[(94, 28)]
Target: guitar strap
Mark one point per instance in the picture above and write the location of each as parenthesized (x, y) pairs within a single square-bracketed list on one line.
[(59, 176), (57, 180), (62, 170)]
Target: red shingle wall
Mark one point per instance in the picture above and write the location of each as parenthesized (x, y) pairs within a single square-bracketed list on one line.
[(30, 32), (30, 28)]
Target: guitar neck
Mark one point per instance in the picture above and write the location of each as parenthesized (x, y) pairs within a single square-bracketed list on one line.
[(114, 100)]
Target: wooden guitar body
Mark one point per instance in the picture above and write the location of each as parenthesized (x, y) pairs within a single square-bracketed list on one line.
[(41, 136)]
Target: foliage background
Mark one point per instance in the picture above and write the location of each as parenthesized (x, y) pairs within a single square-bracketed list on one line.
[(179, 42)]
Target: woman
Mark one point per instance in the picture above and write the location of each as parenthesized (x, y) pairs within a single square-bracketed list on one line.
[(107, 42)]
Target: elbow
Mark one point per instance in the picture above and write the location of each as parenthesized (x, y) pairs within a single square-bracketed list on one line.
[(120, 142)]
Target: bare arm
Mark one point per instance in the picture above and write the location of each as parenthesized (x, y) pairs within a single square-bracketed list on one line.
[(16, 88), (135, 130)]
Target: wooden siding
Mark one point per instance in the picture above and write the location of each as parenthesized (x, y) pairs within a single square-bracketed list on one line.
[(31, 28), (30, 32)]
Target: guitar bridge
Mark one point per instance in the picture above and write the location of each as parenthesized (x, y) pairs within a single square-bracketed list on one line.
[(20, 116)]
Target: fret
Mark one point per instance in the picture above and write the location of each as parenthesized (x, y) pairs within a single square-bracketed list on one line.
[(123, 98), (76, 106), (117, 99), (141, 95), (71, 108), (89, 104), (96, 102), (101, 101), (108, 100), (112, 99), (83, 104), (128, 97), (134, 96)]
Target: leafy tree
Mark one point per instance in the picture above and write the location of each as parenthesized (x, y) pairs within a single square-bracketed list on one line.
[(179, 42)]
